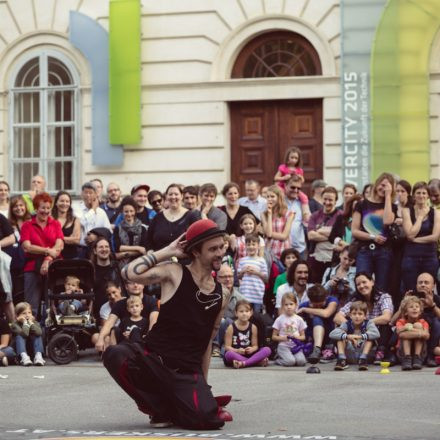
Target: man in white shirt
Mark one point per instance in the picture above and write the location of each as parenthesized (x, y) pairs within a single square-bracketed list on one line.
[(253, 200), (297, 235), (90, 216)]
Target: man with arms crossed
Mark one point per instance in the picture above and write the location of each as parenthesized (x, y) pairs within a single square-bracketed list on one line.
[(167, 376)]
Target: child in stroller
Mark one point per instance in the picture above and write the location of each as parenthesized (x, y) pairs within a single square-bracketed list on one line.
[(72, 306)]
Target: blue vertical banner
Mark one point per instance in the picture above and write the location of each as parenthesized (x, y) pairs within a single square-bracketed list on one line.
[(359, 20)]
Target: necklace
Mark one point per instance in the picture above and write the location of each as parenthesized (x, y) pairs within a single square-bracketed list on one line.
[(209, 302)]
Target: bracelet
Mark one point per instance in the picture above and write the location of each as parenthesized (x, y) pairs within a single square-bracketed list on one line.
[(48, 258)]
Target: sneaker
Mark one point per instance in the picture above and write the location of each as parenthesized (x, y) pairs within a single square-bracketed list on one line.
[(430, 362), (4, 360), (315, 356), (341, 364), (406, 363), (417, 362), (363, 364), (327, 356), (216, 352), (160, 422), (38, 359), (25, 360), (380, 356)]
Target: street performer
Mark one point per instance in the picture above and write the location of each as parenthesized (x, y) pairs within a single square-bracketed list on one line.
[(167, 376)]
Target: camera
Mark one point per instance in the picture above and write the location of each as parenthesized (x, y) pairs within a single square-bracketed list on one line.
[(342, 287)]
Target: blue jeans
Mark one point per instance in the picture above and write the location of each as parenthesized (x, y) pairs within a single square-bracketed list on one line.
[(37, 344), (220, 336), (33, 290), (72, 302), (413, 266), (8, 352), (313, 321), (375, 261)]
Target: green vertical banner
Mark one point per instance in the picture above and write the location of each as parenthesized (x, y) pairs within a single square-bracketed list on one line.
[(125, 72), (400, 88)]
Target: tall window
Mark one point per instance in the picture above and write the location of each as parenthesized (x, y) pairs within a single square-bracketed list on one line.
[(44, 123), (280, 53)]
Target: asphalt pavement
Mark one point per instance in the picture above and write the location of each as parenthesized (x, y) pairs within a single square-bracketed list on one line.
[(81, 400)]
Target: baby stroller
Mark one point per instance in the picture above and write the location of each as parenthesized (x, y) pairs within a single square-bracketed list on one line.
[(66, 334)]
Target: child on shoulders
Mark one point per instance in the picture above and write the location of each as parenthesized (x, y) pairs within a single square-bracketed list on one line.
[(289, 331), (241, 340), (252, 273), (25, 329), (355, 338), (413, 332)]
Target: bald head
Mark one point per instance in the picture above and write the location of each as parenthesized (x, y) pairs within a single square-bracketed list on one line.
[(425, 282), (225, 276)]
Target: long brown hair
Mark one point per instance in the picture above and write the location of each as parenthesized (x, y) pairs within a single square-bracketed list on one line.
[(390, 179), (281, 206), (11, 216)]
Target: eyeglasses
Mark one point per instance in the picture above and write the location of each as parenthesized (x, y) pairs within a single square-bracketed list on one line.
[(156, 202), (294, 188), (225, 276)]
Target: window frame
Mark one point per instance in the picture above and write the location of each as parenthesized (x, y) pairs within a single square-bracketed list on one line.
[(255, 43), (44, 161)]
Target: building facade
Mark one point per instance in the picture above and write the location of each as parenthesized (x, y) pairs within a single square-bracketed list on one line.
[(225, 88)]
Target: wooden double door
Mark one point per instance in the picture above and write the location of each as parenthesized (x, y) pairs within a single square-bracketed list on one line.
[(261, 132)]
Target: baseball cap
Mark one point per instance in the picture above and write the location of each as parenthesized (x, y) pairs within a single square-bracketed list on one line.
[(138, 187)]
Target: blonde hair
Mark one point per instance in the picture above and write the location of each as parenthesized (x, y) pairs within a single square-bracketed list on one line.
[(133, 299), (21, 307), (390, 178), (289, 296), (359, 305), (72, 278), (406, 301), (281, 207)]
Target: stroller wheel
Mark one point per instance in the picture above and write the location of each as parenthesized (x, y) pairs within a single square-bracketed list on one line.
[(62, 348)]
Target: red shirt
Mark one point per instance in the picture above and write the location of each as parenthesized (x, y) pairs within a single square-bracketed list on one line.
[(31, 231)]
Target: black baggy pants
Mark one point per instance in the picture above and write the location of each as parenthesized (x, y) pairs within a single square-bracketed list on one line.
[(185, 398)]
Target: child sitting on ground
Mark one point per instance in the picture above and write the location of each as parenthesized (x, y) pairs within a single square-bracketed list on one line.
[(241, 340), (355, 338), (7, 353), (289, 331), (134, 326), (27, 328), (413, 332), (318, 312), (71, 306), (252, 273)]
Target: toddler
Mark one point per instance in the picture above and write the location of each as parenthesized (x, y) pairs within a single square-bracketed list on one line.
[(355, 338), (413, 332), (241, 340), (25, 329), (134, 326), (289, 331), (71, 306)]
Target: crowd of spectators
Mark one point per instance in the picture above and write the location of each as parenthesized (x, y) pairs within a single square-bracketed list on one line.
[(315, 279)]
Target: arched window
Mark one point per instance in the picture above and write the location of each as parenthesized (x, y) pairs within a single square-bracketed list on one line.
[(43, 115), (273, 54)]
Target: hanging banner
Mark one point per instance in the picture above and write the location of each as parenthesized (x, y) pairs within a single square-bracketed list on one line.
[(359, 19)]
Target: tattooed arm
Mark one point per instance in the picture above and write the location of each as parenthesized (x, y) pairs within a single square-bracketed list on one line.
[(144, 270)]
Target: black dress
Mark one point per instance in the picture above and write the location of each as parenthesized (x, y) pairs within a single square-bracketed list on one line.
[(70, 251), (233, 225), (162, 231)]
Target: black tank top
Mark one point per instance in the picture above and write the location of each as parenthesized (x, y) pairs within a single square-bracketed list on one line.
[(184, 327), (70, 251)]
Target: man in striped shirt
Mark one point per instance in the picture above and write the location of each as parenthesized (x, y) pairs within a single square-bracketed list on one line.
[(252, 273)]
